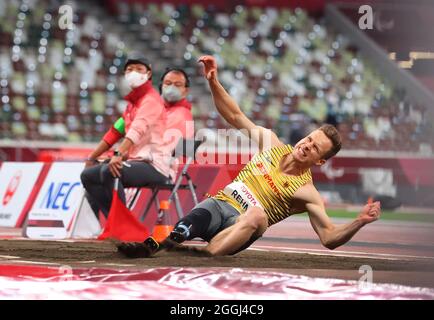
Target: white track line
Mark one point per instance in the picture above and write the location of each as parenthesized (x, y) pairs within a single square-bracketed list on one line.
[(353, 254), (118, 265), (37, 262), (9, 257)]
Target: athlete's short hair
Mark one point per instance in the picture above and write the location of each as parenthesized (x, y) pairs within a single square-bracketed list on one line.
[(332, 133)]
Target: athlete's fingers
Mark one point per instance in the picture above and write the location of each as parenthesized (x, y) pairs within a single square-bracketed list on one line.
[(369, 206), (205, 61), (206, 58), (373, 213), (372, 204), (376, 212)]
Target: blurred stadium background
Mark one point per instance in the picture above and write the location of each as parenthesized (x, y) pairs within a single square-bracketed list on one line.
[(291, 65)]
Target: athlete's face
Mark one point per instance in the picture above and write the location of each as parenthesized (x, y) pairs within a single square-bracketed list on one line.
[(312, 149)]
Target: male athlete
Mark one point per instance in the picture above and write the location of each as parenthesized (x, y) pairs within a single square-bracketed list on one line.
[(274, 185)]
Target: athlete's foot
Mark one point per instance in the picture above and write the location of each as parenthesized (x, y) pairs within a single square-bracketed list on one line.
[(138, 249), (177, 236), (169, 245), (174, 240)]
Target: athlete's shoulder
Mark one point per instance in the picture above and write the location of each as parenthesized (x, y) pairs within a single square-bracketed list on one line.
[(268, 139), (307, 193)]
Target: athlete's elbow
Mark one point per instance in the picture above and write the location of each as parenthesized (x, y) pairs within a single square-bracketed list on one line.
[(232, 118), (226, 114), (329, 244)]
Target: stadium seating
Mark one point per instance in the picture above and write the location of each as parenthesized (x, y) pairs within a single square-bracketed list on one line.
[(285, 69)]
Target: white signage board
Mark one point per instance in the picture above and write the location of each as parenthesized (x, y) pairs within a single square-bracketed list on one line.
[(57, 204), (17, 180)]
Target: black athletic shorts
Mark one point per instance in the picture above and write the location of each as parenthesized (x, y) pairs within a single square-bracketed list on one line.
[(223, 215)]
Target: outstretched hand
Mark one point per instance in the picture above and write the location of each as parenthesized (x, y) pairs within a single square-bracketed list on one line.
[(210, 67), (370, 212)]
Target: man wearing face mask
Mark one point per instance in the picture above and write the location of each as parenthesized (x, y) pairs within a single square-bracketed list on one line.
[(174, 86), (142, 158)]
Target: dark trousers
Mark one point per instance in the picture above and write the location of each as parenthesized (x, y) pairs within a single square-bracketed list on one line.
[(98, 182)]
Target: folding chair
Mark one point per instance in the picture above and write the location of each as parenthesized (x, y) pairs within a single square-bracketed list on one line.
[(185, 148)]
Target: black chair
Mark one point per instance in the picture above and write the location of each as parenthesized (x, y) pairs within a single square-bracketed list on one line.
[(185, 148)]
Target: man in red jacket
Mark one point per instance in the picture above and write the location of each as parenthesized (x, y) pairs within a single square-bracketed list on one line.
[(141, 158), (174, 88)]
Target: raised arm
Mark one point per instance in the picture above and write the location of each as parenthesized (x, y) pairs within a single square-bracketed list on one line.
[(331, 235), (232, 113)]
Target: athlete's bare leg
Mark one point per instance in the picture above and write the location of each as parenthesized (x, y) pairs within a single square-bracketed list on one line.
[(249, 226), (252, 223)]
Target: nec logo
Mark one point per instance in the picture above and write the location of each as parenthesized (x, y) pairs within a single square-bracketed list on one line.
[(12, 187), (57, 195)]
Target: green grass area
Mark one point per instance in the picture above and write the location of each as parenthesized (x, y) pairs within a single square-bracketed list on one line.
[(385, 215)]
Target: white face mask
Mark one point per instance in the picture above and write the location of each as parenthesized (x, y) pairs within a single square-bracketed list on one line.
[(171, 93), (136, 79)]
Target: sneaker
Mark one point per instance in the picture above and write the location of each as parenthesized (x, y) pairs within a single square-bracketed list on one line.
[(169, 245), (134, 250), (152, 244), (177, 236)]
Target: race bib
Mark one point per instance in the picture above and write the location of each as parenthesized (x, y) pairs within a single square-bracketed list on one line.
[(242, 195)]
